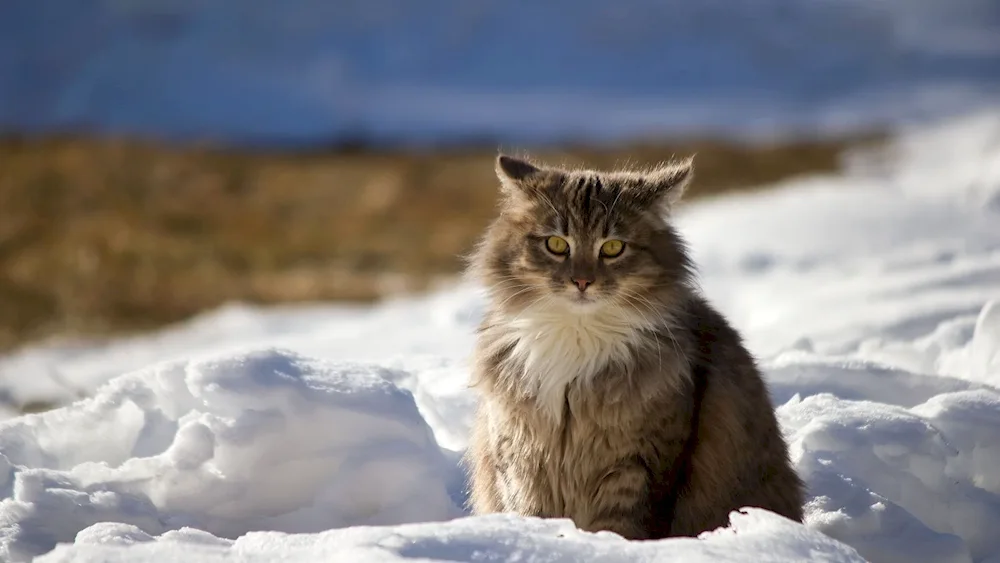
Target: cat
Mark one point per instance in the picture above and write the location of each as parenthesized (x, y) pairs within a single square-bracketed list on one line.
[(612, 392)]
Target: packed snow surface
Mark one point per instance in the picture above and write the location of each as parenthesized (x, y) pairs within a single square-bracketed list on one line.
[(329, 433), (760, 535), (258, 72)]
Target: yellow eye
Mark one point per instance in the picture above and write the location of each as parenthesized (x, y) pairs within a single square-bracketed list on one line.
[(612, 248), (557, 245)]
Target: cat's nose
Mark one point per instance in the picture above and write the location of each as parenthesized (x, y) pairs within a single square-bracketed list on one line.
[(582, 283)]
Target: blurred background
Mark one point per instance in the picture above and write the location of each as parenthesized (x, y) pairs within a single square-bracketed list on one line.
[(162, 157)]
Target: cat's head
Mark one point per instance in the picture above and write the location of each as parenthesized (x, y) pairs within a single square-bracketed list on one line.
[(584, 240)]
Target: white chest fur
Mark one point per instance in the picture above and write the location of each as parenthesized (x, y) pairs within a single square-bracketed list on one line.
[(556, 347)]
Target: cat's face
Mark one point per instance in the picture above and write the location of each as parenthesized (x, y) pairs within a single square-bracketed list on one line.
[(584, 240)]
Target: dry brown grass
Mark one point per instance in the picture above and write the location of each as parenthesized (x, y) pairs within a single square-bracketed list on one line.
[(102, 236)]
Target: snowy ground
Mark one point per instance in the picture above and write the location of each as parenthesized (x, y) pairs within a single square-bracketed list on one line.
[(305, 71), (872, 299)]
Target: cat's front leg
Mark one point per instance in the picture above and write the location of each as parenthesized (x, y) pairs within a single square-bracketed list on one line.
[(523, 492), (484, 469), (621, 503), (484, 497)]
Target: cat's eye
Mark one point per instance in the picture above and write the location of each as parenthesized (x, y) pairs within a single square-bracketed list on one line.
[(557, 245), (612, 248)]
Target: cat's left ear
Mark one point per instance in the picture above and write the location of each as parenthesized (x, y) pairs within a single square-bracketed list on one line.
[(667, 184)]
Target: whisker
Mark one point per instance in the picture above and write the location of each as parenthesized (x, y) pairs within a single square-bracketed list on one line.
[(506, 285), (615, 202), (663, 325), (502, 303), (548, 201), (497, 291), (529, 307), (606, 211), (650, 306), (506, 280), (659, 352)]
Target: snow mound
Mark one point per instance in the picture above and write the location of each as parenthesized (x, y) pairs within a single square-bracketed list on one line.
[(927, 473), (263, 440), (755, 535)]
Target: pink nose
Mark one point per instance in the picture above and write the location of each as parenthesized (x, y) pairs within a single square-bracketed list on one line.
[(583, 283)]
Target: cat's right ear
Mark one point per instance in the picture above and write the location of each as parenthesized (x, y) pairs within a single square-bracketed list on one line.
[(523, 183), (510, 169), (518, 177)]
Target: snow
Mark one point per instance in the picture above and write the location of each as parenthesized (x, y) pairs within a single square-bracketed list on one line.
[(759, 534), (264, 440), (299, 72), (871, 297)]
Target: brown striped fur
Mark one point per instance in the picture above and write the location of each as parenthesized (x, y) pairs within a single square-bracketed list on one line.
[(633, 408)]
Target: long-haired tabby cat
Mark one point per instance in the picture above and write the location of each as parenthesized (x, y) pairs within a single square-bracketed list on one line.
[(612, 392)]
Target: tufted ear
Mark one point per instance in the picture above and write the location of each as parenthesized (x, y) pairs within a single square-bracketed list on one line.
[(665, 185), (670, 181), (519, 178), (510, 169)]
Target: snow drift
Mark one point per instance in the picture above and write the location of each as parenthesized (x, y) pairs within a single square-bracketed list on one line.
[(872, 298), (266, 440)]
